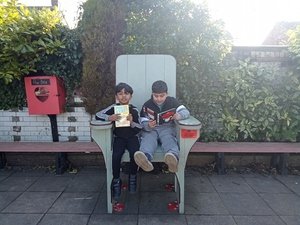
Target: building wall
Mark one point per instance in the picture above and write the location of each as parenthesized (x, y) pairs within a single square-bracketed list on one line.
[(18, 125)]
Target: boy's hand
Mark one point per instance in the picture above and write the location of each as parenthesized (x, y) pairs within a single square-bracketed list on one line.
[(176, 116), (152, 123), (114, 117), (129, 117)]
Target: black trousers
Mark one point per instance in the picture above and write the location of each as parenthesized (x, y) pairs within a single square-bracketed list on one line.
[(132, 144)]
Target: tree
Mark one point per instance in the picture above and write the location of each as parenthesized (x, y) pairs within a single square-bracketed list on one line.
[(26, 36), (178, 28), (186, 31), (101, 28)]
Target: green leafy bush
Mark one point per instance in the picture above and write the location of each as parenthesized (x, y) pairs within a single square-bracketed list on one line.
[(34, 41), (259, 103)]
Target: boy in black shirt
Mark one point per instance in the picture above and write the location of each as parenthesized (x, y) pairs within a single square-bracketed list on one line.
[(124, 138)]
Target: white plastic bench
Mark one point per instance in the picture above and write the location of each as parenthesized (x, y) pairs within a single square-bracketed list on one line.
[(140, 71)]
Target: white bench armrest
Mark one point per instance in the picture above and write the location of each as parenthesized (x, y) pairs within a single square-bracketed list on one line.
[(99, 124), (190, 122)]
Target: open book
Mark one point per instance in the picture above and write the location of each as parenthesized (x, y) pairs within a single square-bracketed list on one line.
[(123, 111), (161, 118), (166, 116)]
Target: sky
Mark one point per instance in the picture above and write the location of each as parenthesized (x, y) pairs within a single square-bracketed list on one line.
[(248, 21)]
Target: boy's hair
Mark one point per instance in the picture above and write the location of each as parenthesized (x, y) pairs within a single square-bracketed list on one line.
[(120, 86), (159, 87)]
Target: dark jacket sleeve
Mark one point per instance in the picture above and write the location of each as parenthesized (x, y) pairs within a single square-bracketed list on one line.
[(105, 113), (135, 119)]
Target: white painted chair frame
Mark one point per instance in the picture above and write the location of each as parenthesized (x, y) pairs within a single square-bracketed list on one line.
[(140, 71)]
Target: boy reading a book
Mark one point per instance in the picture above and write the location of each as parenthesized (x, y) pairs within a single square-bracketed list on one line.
[(157, 117), (125, 136)]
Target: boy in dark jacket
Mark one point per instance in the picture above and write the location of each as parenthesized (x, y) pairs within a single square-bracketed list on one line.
[(154, 132), (124, 138)]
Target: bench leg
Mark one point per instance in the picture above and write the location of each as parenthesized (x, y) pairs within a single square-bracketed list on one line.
[(274, 160), (2, 160), (280, 162), (179, 188), (61, 163), (220, 161), (283, 164)]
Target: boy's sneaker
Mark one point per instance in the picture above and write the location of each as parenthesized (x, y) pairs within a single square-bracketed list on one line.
[(172, 162), (142, 161), (116, 188)]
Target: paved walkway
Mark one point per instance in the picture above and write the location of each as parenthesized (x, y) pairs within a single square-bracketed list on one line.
[(39, 197)]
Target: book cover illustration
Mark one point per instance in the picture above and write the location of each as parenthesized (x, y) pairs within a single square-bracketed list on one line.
[(166, 116), (123, 111), (161, 118)]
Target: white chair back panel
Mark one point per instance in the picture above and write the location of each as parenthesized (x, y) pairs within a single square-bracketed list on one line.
[(140, 71)]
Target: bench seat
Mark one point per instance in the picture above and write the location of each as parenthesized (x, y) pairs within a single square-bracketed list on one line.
[(281, 149), (85, 147)]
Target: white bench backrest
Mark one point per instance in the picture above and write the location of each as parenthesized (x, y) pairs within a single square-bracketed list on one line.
[(140, 71)]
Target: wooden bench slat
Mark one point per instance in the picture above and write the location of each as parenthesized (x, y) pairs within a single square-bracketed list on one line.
[(212, 147), (246, 147), (49, 147)]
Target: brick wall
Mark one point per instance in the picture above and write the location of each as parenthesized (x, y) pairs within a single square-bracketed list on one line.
[(20, 126)]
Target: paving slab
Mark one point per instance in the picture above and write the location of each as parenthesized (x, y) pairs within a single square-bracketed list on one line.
[(258, 220), (292, 182), (20, 219), (210, 220), (77, 203), (7, 197), (32, 202), (204, 204), (198, 184), (245, 204), (156, 202), (16, 183), (291, 220), (87, 183), (53, 183), (283, 204), (230, 184), (113, 219), (64, 219), (162, 219), (43, 198), (267, 185)]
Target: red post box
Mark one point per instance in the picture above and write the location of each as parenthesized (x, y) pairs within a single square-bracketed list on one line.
[(45, 95)]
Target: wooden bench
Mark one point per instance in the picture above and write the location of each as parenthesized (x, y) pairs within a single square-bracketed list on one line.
[(60, 148), (280, 152)]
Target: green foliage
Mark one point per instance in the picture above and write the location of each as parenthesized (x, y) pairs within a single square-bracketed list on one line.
[(12, 95), (184, 30), (34, 41), (67, 62), (26, 36), (101, 28), (259, 103)]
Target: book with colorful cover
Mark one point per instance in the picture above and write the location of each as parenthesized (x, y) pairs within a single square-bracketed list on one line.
[(162, 117), (123, 111), (166, 116)]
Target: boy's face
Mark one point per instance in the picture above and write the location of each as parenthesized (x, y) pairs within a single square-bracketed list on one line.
[(159, 98), (123, 97)]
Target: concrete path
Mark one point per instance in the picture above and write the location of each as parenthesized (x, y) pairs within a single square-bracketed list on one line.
[(38, 197)]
